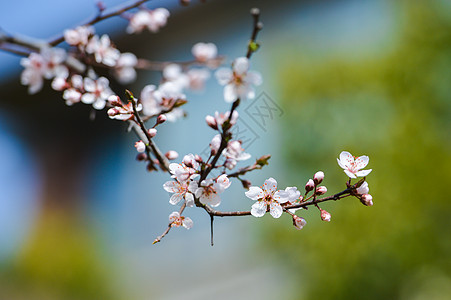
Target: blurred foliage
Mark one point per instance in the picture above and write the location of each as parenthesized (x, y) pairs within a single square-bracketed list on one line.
[(59, 261), (395, 108)]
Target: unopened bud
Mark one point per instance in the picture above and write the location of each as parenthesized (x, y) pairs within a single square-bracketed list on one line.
[(140, 146), (188, 161), (299, 222), (325, 216), (318, 177), (141, 156), (198, 158), (152, 132), (211, 121), (363, 188), (309, 186), (161, 119), (246, 183), (112, 112), (367, 200), (171, 155), (321, 190), (114, 100)]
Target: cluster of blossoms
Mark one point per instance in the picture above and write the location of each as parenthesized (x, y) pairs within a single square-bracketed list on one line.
[(74, 74)]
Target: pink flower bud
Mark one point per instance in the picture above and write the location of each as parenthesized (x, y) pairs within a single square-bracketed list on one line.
[(299, 222), (321, 190), (367, 200), (309, 186), (140, 146), (211, 121), (325, 216), (152, 132), (188, 161), (171, 155), (141, 156), (246, 184), (112, 112), (318, 177), (198, 158), (115, 100), (161, 119)]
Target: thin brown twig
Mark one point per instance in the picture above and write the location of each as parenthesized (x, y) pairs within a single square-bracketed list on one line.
[(158, 239), (102, 15)]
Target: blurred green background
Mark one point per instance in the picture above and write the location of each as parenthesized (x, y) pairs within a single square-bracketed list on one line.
[(393, 105), (369, 77)]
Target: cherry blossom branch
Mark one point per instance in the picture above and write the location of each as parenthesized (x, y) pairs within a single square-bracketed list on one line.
[(158, 239), (102, 15), (164, 163)]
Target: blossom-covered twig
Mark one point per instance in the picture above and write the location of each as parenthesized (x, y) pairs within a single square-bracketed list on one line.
[(102, 15)]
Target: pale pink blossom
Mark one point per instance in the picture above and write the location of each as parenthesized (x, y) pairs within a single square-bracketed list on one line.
[(96, 92), (204, 51), (177, 220), (46, 64), (72, 96), (215, 144), (79, 36), (180, 192), (325, 216), (140, 146), (171, 155), (152, 132), (153, 20), (321, 190), (174, 73), (233, 153), (221, 118), (352, 166), (363, 188), (310, 185), (318, 177), (208, 191), (197, 78), (183, 172), (124, 71), (299, 222), (239, 80), (267, 195), (367, 199), (103, 51), (211, 121), (124, 112)]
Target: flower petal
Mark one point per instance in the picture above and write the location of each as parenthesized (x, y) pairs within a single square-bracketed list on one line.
[(275, 209), (363, 173), (346, 159), (241, 65), (361, 162), (270, 186), (171, 186), (223, 75), (230, 93), (176, 198), (281, 196), (189, 199), (187, 223), (350, 174), (258, 209), (255, 193)]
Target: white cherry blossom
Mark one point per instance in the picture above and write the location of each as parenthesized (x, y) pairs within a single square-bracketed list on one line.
[(209, 190), (79, 36), (124, 70), (153, 20), (266, 196), (352, 166), (239, 80), (103, 51), (180, 192), (176, 220), (97, 92), (204, 51), (197, 78)]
